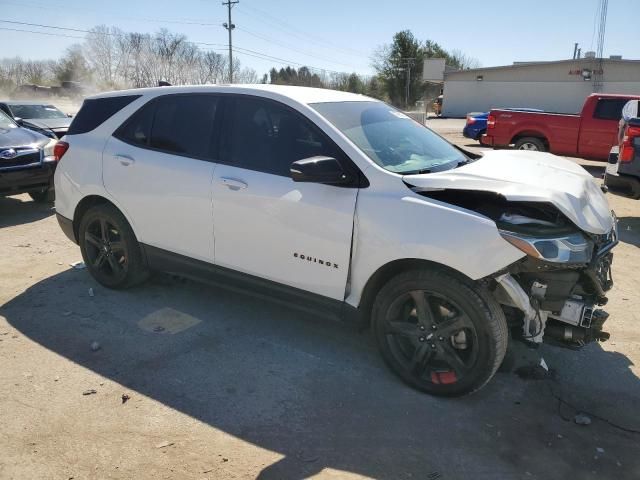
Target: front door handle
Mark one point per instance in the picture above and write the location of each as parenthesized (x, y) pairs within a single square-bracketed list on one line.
[(233, 183), (124, 160)]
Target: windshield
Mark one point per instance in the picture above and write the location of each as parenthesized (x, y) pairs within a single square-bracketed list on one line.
[(390, 138), (6, 122), (36, 111)]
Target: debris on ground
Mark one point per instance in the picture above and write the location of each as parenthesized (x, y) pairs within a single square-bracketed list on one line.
[(125, 397), (533, 372), (91, 391), (225, 459), (91, 294), (582, 419), (95, 346), (79, 265), (164, 444), (599, 450), (159, 328)]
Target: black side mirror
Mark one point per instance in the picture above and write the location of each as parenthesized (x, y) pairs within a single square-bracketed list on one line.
[(18, 120), (320, 169)]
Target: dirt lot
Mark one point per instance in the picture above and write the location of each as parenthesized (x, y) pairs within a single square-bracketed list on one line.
[(223, 385)]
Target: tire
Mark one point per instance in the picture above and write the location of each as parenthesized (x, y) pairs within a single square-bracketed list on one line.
[(479, 136), (46, 196), (532, 144), (418, 320), (110, 249)]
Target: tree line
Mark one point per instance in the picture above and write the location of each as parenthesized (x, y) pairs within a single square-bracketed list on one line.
[(110, 59)]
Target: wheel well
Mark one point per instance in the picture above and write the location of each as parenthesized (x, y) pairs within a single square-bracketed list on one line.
[(387, 272), (85, 204), (531, 133)]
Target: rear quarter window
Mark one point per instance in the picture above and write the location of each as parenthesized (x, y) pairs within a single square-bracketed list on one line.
[(96, 111), (609, 108)]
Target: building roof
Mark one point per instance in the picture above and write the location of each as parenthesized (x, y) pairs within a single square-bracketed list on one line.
[(520, 65), (304, 95)]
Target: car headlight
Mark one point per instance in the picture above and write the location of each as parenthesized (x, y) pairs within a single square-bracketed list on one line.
[(48, 151), (572, 248)]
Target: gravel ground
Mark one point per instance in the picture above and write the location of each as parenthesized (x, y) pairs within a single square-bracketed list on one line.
[(222, 385)]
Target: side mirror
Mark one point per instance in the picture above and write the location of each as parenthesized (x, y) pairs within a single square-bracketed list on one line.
[(320, 169), (69, 115), (18, 120)]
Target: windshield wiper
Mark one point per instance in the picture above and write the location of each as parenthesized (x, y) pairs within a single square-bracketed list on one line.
[(418, 172)]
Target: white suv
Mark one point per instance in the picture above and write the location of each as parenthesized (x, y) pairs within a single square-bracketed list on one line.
[(341, 203)]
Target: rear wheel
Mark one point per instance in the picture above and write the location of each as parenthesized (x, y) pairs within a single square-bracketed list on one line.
[(439, 333), (110, 249), (46, 196), (530, 143)]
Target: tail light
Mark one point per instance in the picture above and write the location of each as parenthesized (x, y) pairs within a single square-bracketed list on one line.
[(59, 150), (627, 148), (491, 121), (471, 120)]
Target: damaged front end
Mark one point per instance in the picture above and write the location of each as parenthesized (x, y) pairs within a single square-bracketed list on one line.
[(553, 293)]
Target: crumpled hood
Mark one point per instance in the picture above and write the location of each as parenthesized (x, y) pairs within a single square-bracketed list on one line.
[(49, 123), (522, 176)]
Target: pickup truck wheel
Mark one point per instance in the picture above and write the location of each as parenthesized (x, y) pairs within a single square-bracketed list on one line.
[(47, 196), (110, 249), (441, 334), (530, 143)]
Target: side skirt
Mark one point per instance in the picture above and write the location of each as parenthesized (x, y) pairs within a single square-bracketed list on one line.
[(165, 261)]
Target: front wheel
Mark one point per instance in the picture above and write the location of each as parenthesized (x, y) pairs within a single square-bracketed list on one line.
[(110, 249), (439, 333)]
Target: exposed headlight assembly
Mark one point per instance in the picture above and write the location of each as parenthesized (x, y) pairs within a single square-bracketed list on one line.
[(572, 248)]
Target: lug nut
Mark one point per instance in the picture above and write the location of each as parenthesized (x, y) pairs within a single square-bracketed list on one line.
[(421, 339), (422, 327), (433, 345), (433, 327), (440, 338)]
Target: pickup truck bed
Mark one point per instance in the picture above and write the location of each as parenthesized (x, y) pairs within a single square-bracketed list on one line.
[(589, 134)]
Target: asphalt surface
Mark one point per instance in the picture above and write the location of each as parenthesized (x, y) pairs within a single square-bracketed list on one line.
[(225, 385)]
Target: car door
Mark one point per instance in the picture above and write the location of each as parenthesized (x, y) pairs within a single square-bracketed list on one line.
[(159, 165), (267, 225), (600, 132)]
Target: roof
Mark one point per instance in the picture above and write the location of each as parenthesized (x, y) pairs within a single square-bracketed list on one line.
[(304, 95), (517, 65)]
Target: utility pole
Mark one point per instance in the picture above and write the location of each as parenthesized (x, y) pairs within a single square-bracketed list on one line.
[(407, 69), (575, 50), (230, 26)]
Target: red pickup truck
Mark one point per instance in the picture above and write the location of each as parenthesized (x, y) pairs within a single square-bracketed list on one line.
[(590, 134)]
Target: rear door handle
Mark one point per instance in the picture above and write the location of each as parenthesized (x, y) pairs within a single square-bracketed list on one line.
[(125, 160), (233, 183)]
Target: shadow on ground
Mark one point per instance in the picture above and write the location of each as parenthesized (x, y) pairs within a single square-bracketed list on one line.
[(20, 210), (317, 392), (629, 230)]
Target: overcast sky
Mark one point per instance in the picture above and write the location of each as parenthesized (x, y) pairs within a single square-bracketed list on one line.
[(337, 35)]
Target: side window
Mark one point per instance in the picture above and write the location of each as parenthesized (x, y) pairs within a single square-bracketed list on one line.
[(268, 137), (137, 130), (96, 111), (183, 124), (609, 108)]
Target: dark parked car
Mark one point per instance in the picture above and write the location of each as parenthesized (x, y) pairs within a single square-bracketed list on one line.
[(27, 161), (41, 117), (623, 169), (476, 125)]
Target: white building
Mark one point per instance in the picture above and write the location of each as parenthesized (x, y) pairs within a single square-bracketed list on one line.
[(558, 86)]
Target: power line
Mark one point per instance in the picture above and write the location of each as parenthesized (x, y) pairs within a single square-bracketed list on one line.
[(41, 33), (305, 36), (136, 18), (275, 42)]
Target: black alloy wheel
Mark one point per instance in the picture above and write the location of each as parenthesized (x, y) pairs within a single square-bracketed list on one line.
[(440, 333), (110, 249)]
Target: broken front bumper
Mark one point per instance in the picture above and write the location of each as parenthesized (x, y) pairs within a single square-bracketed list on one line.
[(559, 302)]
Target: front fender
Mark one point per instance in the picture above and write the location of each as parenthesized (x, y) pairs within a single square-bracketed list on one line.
[(414, 227)]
